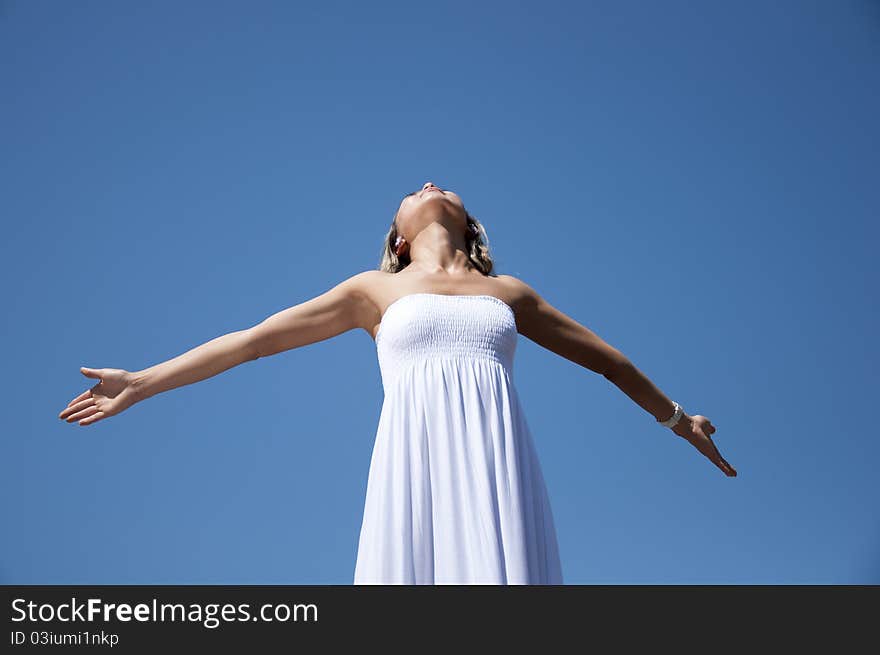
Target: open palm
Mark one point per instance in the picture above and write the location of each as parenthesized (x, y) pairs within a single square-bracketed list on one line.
[(113, 393)]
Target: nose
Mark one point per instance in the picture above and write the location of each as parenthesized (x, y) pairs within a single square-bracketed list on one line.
[(427, 185)]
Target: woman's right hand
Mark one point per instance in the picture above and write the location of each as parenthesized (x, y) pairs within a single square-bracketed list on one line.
[(113, 393)]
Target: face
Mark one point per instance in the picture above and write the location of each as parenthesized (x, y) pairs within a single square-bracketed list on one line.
[(430, 204)]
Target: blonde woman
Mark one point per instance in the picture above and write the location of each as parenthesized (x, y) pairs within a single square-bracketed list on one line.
[(455, 492)]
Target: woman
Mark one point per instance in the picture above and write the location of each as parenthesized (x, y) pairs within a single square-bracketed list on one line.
[(455, 493)]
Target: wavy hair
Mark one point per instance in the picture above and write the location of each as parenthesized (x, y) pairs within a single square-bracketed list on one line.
[(476, 243)]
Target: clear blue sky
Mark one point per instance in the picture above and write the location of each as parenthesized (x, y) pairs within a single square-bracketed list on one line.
[(696, 183)]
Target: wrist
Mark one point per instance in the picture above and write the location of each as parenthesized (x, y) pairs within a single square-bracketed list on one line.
[(674, 418), (138, 383), (683, 427), (679, 421)]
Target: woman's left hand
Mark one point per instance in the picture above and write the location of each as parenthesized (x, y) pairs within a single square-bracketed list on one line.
[(697, 430)]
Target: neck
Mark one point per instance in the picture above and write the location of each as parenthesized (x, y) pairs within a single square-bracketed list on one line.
[(435, 250)]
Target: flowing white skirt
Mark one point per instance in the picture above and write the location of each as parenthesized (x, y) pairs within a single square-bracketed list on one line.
[(455, 492)]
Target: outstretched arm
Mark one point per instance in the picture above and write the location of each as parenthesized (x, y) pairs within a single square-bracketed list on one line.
[(335, 311), (538, 320), (342, 308)]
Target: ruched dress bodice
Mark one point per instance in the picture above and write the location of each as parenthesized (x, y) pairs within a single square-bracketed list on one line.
[(423, 326)]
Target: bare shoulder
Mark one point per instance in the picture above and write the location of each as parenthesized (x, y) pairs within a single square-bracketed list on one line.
[(372, 286), (365, 282), (558, 332), (372, 292), (365, 291), (518, 294), (351, 302), (346, 305), (533, 312)]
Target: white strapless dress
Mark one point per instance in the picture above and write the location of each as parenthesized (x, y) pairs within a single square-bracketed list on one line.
[(455, 492)]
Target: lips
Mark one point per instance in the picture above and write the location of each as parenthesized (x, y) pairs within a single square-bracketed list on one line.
[(433, 188)]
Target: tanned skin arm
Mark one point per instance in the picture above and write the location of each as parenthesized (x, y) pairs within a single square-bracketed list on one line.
[(344, 307), (547, 326)]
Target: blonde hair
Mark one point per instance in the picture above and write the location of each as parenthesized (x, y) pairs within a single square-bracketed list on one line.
[(476, 243)]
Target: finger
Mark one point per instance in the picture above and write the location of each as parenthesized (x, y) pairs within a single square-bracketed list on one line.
[(716, 453), (88, 411), (729, 467), (717, 459), (78, 406), (84, 394), (91, 372), (724, 466), (95, 417), (75, 408)]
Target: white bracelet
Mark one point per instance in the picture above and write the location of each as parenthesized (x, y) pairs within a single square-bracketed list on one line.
[(672, 420)]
